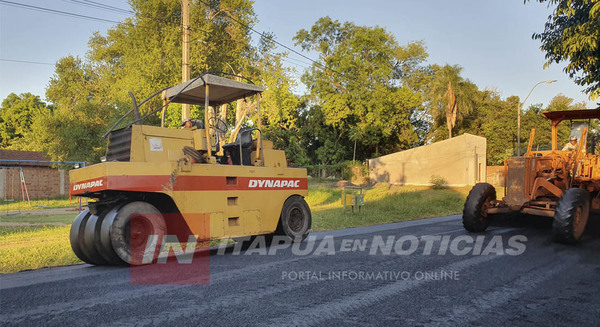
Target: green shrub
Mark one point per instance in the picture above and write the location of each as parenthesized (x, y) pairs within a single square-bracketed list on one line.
[(437, 182)]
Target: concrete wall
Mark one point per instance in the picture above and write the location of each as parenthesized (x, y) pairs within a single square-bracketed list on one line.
[(495, 175), (42, 183), (460, 160)]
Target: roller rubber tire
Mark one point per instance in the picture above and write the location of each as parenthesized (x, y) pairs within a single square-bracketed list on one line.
[(102, 236), (75, 232), (105, 243), (296, 219), (88, 239), (147, 221), (475, 219), (571, 216)]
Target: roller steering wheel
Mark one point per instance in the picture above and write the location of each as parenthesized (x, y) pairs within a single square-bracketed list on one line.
[(218, 124)]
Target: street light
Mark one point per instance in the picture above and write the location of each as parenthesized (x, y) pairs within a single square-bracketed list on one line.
[(519, 115)]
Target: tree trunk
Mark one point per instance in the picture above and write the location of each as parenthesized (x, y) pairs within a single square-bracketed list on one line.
[(452, 109)]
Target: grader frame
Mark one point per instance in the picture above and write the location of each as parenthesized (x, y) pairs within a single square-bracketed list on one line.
[(564, 185)]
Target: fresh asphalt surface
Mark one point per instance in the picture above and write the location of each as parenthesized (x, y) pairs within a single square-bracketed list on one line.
[(548, 284)]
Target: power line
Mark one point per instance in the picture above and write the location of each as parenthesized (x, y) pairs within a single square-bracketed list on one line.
[(299, 61), (27, 62), (116, 9), (293, 63), (91, 4), (57, 12), (107, 6)]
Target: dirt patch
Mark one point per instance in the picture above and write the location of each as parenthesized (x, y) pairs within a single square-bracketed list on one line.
[(44, 212)]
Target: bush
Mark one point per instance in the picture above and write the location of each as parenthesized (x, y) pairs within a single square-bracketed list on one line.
[(437, 182), (357, 173)]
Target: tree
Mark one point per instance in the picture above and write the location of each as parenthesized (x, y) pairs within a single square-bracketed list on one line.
[(572, 34), (562, 102), (16, 116), (496, 120), (143, 54), (357, 83), (280, 107), (451, 97), (70, 135), (73, 82), (320, 139)]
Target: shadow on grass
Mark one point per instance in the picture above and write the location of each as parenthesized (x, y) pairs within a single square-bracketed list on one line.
[(39, 219)]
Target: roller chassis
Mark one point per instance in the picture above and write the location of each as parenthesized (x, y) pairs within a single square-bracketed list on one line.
[(564, 185), (154, 175)]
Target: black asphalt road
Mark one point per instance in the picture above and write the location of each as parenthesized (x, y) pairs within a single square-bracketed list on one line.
[(432, 273)]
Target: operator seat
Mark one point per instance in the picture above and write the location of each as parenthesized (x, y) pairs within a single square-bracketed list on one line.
[(240, 151)]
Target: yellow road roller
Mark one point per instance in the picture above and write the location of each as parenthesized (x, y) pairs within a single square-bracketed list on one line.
[(157, 181)]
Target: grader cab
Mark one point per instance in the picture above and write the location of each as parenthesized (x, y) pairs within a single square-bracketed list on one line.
[(157, 181), (560, 183)]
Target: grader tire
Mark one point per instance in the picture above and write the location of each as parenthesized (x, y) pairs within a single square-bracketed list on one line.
[(475, 218), (75, 234), (571, 216), (130, 231), (295, 221)]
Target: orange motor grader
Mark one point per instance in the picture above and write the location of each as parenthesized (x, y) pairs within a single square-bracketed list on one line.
[(564, 185), (157, 181)]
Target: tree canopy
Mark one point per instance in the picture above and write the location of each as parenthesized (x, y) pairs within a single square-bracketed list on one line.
[(16, 116), (366, 95), (142, 55), (357, 83), (572, 34)]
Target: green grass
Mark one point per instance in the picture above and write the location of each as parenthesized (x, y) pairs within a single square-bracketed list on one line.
[(35, 247), (45, 242), (35, 241), (60, 202), (383, 204)]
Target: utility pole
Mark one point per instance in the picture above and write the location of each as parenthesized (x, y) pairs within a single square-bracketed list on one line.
[(185, 53)]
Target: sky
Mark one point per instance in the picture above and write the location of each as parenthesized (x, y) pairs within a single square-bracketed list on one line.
[(490, 39)]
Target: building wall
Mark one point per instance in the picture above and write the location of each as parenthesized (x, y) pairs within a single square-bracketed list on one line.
[(460, 161), (42, 183), (495, 175)]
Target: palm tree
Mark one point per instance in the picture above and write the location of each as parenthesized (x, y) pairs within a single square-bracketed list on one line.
[(449, 94)]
